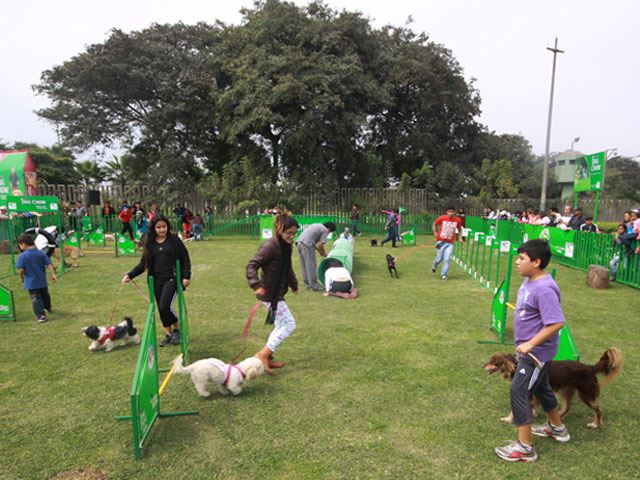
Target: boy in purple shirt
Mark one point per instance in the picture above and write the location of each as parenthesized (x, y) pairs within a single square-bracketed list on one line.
[(537, 322)]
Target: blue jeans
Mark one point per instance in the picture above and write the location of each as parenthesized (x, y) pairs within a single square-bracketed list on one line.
[(40, 300), (355, 230), (391, 235), (444, 249), (197, 231)]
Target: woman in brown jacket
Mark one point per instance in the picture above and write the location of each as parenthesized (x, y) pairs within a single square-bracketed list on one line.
[(274, 259)]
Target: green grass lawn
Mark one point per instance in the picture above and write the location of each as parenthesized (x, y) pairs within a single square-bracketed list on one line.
[(389, 385)]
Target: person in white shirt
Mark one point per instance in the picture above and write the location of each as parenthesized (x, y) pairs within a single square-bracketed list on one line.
[(337, 278)]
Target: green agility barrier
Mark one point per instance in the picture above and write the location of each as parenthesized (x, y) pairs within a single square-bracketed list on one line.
[(73, 240), (342, 251), (146, 391), (124, 246), (7, 306), (97, 237), (570, 248)]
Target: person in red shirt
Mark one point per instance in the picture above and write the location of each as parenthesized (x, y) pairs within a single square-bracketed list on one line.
[(449, 225), (125, 216)]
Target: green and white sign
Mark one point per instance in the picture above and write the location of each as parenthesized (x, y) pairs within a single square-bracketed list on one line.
[(73, 240), (7, 308), (409, 238), (97, 237), (32, 204), (589, 172), (267, 222), (124, 245), (499, 311)]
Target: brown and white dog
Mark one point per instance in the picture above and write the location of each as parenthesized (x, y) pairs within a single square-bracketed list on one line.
[(566, 378)]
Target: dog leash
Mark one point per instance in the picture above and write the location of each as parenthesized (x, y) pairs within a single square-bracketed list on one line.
[(536, 362), (417, 248), (115, 305), (246, 330)]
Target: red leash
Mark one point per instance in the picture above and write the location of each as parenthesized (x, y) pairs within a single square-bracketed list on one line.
[(246, 329)]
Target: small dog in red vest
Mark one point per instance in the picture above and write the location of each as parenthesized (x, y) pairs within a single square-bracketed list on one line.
[(111, 337)]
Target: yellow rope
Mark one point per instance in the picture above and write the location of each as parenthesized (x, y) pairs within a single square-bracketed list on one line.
[(166, 380)]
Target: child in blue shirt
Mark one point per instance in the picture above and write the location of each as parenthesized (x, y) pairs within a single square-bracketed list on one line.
[(31, 267)]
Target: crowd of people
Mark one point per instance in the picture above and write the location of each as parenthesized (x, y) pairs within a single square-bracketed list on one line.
[(134, 220)]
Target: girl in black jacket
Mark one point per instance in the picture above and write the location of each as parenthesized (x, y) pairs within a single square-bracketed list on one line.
[(160, 252), (274, 261)]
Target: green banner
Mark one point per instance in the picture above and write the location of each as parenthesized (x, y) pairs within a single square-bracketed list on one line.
[(499, 311), (267, 221), (589, 172), (32, 204), (124, 245)]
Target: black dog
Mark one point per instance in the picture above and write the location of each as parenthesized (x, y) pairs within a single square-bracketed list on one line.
[(374, 242), (391, 265)]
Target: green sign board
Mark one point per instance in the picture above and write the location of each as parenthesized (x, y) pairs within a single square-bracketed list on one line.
[(7, 308), (499, 311), (32, 204), (145, 396), (267, 221), (589, 172), (17, 174)]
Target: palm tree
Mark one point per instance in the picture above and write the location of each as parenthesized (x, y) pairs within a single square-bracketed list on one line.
[(117, 172), (90, 172)]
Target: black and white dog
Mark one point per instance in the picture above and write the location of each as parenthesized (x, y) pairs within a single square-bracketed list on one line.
[(374, 242), (391, 265), (112, 336)]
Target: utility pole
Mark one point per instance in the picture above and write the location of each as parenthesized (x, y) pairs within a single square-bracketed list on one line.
[(545, 170)]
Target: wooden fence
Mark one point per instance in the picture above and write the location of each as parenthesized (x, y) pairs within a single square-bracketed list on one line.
[(336, 202)]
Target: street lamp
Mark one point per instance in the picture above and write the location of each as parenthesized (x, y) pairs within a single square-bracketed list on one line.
[(543, 192), (575, 140)]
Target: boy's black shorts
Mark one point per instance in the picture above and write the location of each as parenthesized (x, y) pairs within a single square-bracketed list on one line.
[(527, 382)]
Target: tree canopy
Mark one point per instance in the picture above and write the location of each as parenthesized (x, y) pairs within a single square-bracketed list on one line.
[(305, 94)]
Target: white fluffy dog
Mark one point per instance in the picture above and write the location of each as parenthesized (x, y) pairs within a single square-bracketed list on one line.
[(112, 336), (227, 377)]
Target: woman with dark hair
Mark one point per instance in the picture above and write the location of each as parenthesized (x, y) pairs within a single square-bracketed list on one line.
[(274, 260), (160, 251)]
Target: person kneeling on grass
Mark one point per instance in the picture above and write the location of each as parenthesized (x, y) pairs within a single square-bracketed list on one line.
[(31, 264), (337, 279), (274, 260), (160, 251), (537, 321)]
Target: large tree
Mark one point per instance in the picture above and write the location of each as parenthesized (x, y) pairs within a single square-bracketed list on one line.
[(429, 116), (147, 90), (300, 83), (622, 178)]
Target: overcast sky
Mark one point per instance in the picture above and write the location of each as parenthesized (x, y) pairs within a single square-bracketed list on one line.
[(502, 44)]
